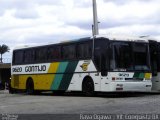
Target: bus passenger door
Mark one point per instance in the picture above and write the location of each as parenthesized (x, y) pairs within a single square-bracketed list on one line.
[(101, 61), (104, 73)]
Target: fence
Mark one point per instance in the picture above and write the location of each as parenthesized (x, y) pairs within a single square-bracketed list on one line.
[(6, 60)]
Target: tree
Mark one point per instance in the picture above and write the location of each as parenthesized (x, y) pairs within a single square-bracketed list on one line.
[(3, 49)]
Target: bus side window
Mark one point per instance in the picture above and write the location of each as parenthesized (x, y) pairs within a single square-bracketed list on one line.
[(69, 52), (54, 53), (41, 54), (84, 50), (80, 51), (29, 56), (18, 57)]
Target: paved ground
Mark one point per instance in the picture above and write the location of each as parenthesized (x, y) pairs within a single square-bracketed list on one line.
[(72, 103)]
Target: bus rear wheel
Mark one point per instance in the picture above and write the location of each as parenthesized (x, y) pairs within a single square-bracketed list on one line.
[(58, 92), (29, 87), (88, 87)]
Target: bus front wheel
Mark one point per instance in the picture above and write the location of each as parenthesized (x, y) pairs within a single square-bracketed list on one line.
[(88, 86), (30, 87)]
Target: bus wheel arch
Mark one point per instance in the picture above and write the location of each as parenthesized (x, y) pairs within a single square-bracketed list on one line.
[(29, 86), (88, 86)]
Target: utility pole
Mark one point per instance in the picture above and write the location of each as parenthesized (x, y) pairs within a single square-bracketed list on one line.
[(94, 25), (95, 19)]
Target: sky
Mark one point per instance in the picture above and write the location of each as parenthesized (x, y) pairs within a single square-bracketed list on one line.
[(35, 22)]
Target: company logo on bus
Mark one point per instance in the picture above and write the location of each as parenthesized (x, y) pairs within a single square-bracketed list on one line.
[(35, 68), (84, 66), (30, 69)]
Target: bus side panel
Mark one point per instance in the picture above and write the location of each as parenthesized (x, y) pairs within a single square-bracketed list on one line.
[(76, 82), (59, 75), (68, 76), (126, 81), (83, 69), (15, 81), (41, 82), (63, 75)]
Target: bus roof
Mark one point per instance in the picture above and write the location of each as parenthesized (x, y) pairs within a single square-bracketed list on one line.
[(110, 37), (149, 38), (123, 38)]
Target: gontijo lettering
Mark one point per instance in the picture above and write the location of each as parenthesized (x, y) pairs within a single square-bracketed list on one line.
[(36, 68)]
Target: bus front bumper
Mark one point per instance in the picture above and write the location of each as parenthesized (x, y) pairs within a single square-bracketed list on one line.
[(131, 86)]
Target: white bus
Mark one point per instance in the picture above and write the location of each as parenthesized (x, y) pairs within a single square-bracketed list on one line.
[(99, 64)]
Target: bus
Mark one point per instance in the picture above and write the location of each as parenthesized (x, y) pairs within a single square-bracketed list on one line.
[(101, 63)]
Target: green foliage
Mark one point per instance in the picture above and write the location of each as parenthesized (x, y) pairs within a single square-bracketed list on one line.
[(3, 49)]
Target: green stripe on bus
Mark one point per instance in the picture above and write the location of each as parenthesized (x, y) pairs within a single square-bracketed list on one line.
[(141, 75), (138, 75), (67, 77), (58, 77)]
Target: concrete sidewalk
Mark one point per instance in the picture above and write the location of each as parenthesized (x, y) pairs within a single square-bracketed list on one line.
[(4, 91)]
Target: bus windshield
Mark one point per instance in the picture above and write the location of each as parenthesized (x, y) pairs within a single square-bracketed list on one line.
[(129, 56), (141, 56)]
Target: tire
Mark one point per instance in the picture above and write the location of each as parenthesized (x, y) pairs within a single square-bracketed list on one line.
[(37, 92), (58, 92), (30, 87), (88, 87)]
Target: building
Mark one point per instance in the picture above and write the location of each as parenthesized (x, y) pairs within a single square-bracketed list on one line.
[(5, 73)]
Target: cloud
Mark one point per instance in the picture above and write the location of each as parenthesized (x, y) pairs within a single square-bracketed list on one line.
[(25, 9), (137, 9), (26, 14), (123, 2), (82, 3), (138, 17), (45, 21), (139, 30)]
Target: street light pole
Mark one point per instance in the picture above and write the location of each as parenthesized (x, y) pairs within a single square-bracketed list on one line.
[(95, 19), (94, 25)]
